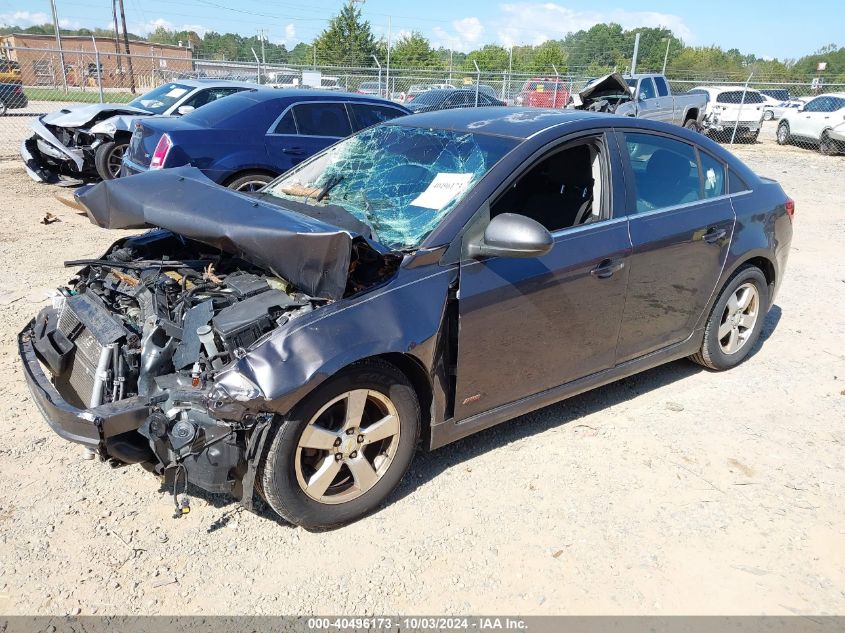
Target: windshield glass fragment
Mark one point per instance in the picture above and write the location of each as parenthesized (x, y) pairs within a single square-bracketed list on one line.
[(400, 181), (160, 99)]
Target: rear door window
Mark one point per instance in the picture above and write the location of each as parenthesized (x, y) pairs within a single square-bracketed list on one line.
[(286, 124), (713, 176), (322, 119), (665, 171), (365, 115)]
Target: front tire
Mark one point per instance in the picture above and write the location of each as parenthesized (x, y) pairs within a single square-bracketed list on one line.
[(768, 115), (736, 320), (108, 159), (826, 145), (343, 450), (783, 135)]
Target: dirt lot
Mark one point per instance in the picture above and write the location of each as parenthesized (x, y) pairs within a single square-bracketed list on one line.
[(676, 491)]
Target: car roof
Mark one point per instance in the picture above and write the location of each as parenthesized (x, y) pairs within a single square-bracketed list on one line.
[(207, 82), (517, 123), (724, 88), (311, 94), (840, 95)]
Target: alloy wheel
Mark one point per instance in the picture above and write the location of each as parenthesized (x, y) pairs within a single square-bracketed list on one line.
[(739, 318), (115, 160), (347, 447), (251, 185)]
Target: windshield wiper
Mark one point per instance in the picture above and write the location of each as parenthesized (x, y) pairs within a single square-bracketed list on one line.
[(331, 184)]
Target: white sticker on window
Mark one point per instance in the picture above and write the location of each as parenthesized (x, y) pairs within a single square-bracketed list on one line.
[(710, 182), (176, 93), (442, 190)]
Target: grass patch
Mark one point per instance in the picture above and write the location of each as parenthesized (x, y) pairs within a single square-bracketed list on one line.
[(90, 95)]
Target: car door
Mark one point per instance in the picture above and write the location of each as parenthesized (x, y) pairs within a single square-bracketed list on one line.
[(681, 223), (305, 129), (648, 101), (527, 325), (816, 118), (665, 102), (800, 123)]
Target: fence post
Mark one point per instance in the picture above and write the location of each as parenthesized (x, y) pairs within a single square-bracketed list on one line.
[(477, 80), (98, 68), (379, 75), (257, 63), (741, 103), (557, 80)]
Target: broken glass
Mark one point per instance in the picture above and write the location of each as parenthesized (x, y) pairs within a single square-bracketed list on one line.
[(400, 181)]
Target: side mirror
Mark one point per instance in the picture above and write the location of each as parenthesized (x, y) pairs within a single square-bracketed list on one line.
[(185, 109), (512, 235)]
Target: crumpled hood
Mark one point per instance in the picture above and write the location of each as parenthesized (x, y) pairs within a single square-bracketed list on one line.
[(308, 252), (612, 84), (80, 115)]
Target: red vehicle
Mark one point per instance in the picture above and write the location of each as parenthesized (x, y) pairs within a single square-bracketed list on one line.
[(543, 93)]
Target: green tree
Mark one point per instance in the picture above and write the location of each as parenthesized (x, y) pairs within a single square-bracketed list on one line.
[(413, 51), (347, 40)]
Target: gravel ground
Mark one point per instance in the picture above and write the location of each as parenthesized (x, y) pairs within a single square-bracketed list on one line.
[(675, 491)]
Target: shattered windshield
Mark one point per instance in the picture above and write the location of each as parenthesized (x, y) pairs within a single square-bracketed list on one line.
[(160, 99), (400, 181)]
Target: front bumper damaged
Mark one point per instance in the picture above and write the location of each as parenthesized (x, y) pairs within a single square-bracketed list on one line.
[(47, 160), (89, 427)]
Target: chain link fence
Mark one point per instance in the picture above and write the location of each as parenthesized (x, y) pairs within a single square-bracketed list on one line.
[(774, 110)]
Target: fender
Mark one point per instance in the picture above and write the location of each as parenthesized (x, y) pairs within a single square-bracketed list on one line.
[(293, 360)]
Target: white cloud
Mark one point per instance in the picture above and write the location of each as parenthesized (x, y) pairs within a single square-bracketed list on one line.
[(290, 33), (152, 25), (30, 18), (464, 36), (534, 23)]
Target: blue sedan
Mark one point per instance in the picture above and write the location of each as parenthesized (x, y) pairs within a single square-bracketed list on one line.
[(244, 141)]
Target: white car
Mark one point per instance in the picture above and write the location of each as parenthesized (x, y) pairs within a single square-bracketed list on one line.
[(821, 121), (774, 106), (732, 107)]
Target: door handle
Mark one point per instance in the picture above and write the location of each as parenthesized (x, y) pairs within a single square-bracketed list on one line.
[(714, 235), (606, 268), (296, 151)]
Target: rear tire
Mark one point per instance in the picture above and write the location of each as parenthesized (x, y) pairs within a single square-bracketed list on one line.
[(736, 320), (333, 461), (783, 135), (252, 181), (108, 159), (692, 124)]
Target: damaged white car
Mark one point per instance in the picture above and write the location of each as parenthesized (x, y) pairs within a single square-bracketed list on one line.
[(86, 141)]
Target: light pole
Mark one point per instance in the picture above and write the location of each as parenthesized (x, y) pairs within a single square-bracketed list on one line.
[(666, 56), (59, 43)]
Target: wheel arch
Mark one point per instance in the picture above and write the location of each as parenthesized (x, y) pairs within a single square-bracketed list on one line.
[(692, 113), (243, 172), (759, 260), (420, 380)]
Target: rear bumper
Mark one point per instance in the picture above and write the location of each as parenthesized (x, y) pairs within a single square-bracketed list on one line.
[(130, 168), (89, 427)]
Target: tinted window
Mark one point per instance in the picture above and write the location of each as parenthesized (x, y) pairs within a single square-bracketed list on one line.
[(665, 171), (735, 96), (662, 88), (713, 173), (204, 97), (825, 104), (460, 100), (647, 89), (780, 95), (322, 119), (736, 184), (367, 115), (286, 124)]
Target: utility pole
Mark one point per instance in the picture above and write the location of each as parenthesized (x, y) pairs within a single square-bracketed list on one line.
[(59, 43), (117, 41), (128, 53), (262, 35), (666, 56), (634, 58)]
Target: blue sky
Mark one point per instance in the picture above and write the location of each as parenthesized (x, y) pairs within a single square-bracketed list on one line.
[(761, 28)]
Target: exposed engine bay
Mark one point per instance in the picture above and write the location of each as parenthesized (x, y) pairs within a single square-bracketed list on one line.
[(153, 321), (605, 94)]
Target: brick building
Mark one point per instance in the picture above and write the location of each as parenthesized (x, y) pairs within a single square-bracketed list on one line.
[(39, 59)]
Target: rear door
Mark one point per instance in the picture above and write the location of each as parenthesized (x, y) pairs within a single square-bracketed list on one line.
[(665, 102), (681, 222), (305, 129)]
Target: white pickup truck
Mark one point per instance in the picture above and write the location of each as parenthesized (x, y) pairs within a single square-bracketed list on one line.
[(646, 96)]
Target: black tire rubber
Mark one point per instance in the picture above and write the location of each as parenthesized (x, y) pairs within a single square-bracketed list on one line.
[(692, 124), (826, 145), (102, 155), (753, 138), (711, 355), (279, 486), (786, 141), (243, 179)]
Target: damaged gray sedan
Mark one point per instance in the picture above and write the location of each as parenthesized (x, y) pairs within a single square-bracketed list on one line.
[(84, 142), (413, 284)]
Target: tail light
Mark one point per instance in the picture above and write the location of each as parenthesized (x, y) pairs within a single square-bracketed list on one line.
[(789, 205), (161, 151)]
